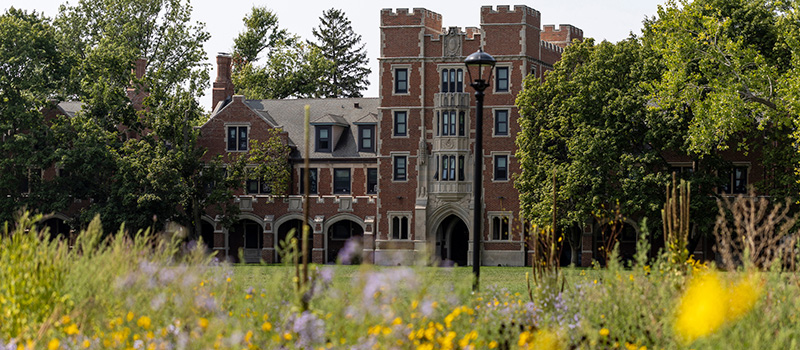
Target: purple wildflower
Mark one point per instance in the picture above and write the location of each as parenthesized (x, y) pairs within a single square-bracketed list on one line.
[(310, 330), (351, 252)]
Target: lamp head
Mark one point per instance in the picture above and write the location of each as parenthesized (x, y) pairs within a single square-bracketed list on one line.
[(480, 60)]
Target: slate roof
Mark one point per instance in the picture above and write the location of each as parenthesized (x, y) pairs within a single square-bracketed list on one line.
[(289, 115), (70, 107)]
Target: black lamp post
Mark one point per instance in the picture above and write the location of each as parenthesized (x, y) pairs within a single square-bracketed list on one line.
[(480, 60)]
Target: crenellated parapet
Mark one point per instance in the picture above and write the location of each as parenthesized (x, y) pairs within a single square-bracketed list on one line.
[(505, 14), (563, 35), (432, 21)]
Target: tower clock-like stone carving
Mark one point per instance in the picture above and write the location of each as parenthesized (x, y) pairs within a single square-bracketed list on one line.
[(452, 43)]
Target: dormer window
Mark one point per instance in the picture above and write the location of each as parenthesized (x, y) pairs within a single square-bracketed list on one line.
[(366, 138), (323, 138), (328, 129)]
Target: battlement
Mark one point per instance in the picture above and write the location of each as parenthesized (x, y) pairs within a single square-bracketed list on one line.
[(504, 14), (575, 31), (551, 47), (418, 16), (561, 36)]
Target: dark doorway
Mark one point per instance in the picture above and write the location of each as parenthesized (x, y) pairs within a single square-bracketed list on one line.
[(338, 234), (245, 235), (289, 226), (57, 228), (207, 235), (452, 241)]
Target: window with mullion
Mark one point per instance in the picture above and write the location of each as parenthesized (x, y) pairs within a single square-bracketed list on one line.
[(501, 79), (341, 181), (401, 81), (500, 168), (400, 168), (366, 138), (323, 138), (501, 122), (312, 181), (237, 138), (400, 123), (372, 180)]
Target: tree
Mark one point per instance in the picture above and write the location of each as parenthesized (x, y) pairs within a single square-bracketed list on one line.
[(340, 45), (156, 171), (32, 72), (261, 32), (732, 65), (292, 68), (589, 122)]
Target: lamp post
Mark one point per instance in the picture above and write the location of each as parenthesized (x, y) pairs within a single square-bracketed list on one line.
[(480, 60)]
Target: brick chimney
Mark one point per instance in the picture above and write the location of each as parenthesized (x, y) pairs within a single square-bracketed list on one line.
[(223, 86), (136, 93)]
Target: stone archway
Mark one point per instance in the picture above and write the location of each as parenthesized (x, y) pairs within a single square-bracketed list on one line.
[(58, 228), (246, 235), (452, 241), (338, 234), (295, 225)]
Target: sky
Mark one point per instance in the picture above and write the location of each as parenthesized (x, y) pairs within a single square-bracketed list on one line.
[(611, 20)]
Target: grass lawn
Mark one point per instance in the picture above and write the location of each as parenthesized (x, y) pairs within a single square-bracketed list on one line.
[(510, 278)]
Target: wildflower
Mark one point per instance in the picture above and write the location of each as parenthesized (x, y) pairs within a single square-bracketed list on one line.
[(542, 340), (743, 296), (143, 322), (604, 332), (72, 329), (129, 317), (702, 308), (266, 326), (202, 322), (53, 344), (86, 343)]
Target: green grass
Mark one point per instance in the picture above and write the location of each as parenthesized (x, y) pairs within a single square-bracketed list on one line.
[(509, 278)]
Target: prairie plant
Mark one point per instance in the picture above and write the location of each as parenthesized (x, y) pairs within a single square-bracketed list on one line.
[(757, 234)]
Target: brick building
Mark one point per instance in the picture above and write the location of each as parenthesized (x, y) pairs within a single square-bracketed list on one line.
[(395, 171)]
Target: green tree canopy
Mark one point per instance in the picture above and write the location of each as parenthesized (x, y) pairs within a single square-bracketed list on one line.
[(291, 67), (32, 71), (342, 46), (589, 122), (732, 65)]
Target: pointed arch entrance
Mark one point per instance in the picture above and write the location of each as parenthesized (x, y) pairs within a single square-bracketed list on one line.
[(452, 241)]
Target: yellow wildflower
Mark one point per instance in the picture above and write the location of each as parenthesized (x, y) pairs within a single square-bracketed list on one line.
[(202, 322), (266, 326), (53, 344), (86, 343), (287, 336), (743, 296), (143, 322), (604, 332), (72, 329), (702, 308), (129, 317)]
